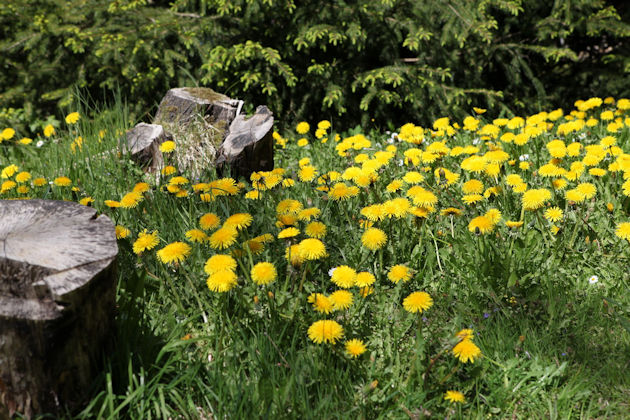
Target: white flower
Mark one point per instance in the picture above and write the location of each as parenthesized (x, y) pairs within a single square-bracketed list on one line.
[(523, 157), (39, 143), (331, 271), (476, 141), (401, 162), (593, 279)]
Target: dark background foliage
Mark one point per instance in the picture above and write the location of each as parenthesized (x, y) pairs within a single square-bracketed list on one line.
[(391, 60)]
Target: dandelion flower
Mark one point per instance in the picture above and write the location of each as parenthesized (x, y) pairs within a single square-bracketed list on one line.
[(174, 252), (121, 232), (312, 249), (263, 273), (535, 198), (49, 130), (196, 235), (575, 195), (454, 397), (307, 214), (307, 173), (71, 118), (223, 237), (289, 206), (303, 127), (209, 221), (112, 203), (417, 302), (289, 232), (472, 198), (321, 303), (465, 334), (344, 276), (364, 279), (466, 351), (589, 190), (482, 224), (355, 347), (315, 230), (341, 299), (325, 331), (238, 221), (292, 254), (219, 262), (373, 239), (167, 147), (222, 281), (553, 214), (623, 230), (62, 181), (145, 242), (473, 186), (399, 272), (130, 200), (22, 177)]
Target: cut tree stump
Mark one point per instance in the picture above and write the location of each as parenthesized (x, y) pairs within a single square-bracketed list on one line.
[(57, 297), (143, 142), (181, 105)]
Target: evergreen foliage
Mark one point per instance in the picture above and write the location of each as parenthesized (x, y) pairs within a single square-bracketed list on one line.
[(392, 60)]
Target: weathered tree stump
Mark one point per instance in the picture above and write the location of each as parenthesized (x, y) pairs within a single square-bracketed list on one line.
[(181, 105), (143, 143), (248, 146), (57, 296)]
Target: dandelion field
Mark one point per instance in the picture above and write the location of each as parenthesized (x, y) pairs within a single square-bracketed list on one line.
[(469, 269)]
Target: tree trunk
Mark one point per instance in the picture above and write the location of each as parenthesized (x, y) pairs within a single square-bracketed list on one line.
[(57, 296)]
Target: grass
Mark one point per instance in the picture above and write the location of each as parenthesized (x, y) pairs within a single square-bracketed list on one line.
[(553, 344)]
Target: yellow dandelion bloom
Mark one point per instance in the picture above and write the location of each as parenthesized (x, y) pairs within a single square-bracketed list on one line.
[(223, 238), (399, 272), (364, 279), (86, 201), (354, 347), (122, 232), (303, 127), (292, 255), (472, 198), (553, 214), (535, 198), (263, 273), (344, 276), (315, 230), (373, 239), (417, 302), (22, 177), (145, 242), (167, 146), (71, 118), (312, 249), (62, 181), (473, 186), (623, 230), (465, 334), (321, 303), (222, 281), (209, 221), (238, 221), (196, 235), (174, 252), (219, 262), (112, 203), (130, 200), (454, 397), (481, 224), (289, 232), (307, 173), (49, 130), (307, 214), (289, 206), (341, 299), (39, 182), (466, 351), (325, 331), (513, 224)]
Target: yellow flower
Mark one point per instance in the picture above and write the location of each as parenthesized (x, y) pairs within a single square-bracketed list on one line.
[(472, 198), (341, 299), (121, 232), (196, 235), (71, 118), (303, 128), (22, 177), (238, 221), (465, 334), (417, 302), (373, 239), (553, 214), (219, 262), (513, 224), (130, 200), (355, 347), (25, 140), (623, 230), (174, 252), (481, 224), (466, 351), (146, 241), (307, 173), (473, 186), (7, 134), (263, 273), (86, 201), (325, 331), (62, 181), (399, 272), (9, 171), (302, 142), (141, 187), (49, 130), (221, 281), (223, 238), (7, 186), (315, 230), (344, 276), (168, 170), (312, 249), (167, 146), (209, 221), (455, 397), (289, 206), (535, 198), (364, 279), (112, 203), (289, 232), (292, 254)]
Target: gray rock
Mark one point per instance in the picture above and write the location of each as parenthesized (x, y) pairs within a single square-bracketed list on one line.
[(248, 147)]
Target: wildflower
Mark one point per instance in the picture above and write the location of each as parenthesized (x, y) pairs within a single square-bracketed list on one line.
[(219, 262), (466, 351), (472, 187), (178, 180), (7, 186), (323, 125), (355, 348), (399, 272), (292, 254), (373, 239), (307, 173), (422, 197), (341, 299), (62, 181), (482, 224), (263, 273), (196, 235), (209, 221), (307, 214), (112, 203), (417, 302), (289, 206), (454, 397), (238, 221), (344, 276), (72, 118), (311, 249), (513, 224), (130, 200), (289, 232), (168, 170), (222, 281), (465, 334), (145, 242), (121, 232), (535, 198), (303, 127), (174, 252), (593, 279), (623, 230), (472, 198), (553, 214), (325, 331), (25, 140), (22, 177), (141, 187), (315, 230), (49, 130), (223, 238), (364, 279), (167, 146), (86, 201), (587, 189), (451, 211), (321, 303), (574, 195)]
